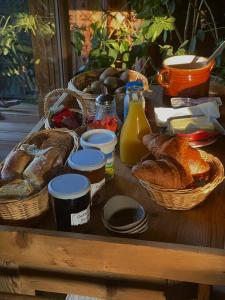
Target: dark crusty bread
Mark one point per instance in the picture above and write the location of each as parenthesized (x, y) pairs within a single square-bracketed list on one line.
[(17, 188), (15, 164)]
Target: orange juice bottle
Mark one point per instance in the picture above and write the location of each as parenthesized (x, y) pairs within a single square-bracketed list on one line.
[(134, 128)]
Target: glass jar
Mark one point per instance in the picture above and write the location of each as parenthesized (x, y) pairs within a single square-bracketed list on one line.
[(90, 163), (104, 140), (71, 201), (106, 116)]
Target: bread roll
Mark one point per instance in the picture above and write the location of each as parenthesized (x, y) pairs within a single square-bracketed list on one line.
[(43, 168), (17, 188), (15, 164)]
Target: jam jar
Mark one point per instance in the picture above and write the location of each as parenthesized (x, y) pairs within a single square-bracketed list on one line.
[(90, 163), (104, 140), (71, 201)]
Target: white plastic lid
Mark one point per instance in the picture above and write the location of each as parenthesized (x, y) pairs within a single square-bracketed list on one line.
[(87, 160), (69, 186), (103, 139)]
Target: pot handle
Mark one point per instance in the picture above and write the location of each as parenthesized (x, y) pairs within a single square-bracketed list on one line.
[(160, 77)]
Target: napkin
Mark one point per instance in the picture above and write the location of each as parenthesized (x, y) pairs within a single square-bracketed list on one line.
[(208, 109)]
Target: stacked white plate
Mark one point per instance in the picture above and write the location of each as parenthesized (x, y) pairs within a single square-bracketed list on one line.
[(124, 215)]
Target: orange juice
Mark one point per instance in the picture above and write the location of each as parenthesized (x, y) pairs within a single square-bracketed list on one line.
[(135, 127)]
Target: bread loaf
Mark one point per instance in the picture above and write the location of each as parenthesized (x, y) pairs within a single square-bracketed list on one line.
[(15, 164), (44, 167), (28, 169)]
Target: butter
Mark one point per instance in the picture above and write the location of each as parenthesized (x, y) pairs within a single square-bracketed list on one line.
[(190, 125)]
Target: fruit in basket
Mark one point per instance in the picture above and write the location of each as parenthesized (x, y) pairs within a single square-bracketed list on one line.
[(87, 89), (96, 87), (128, 76), (120, 90), (113, 83), (109, 72), (67, 119)]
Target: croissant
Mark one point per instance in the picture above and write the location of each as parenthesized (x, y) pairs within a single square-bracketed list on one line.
[(179, 149), (165, 172)]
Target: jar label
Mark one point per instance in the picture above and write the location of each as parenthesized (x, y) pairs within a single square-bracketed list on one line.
[(81, 217), (96, 186), (109, 166)]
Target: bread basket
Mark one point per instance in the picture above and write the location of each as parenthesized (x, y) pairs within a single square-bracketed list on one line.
[(27, 211), (75, 103), (187, 198), (80, 81)]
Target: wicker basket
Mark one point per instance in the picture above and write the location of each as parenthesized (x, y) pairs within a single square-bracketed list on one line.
[(51, 106), (79, 82), (23, 211), (187, 198)]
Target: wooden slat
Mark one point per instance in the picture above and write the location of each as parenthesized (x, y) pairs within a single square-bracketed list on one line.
[(4, 296), (102, 256)]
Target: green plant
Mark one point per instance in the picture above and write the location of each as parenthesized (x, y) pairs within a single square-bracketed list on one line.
[(16, 54), (156, 23)]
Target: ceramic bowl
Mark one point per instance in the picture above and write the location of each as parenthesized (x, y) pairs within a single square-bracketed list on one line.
[(123, 213)]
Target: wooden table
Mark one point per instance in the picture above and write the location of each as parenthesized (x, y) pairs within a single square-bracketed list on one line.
[(179, 245)]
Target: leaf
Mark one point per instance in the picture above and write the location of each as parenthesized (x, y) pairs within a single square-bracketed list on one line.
[(124, 46), (37, 61), (183, 44), (126, 56), (146, 23), (192, 45), (171, 6), (113, 53), (124, 65), (164, 36), (201, 35), (5, 51), (114, 44)]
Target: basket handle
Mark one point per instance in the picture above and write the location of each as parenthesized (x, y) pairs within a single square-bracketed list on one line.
[(56, 92)]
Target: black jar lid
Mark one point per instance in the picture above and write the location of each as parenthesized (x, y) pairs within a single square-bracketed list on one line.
[(69, 186), (105, 99)]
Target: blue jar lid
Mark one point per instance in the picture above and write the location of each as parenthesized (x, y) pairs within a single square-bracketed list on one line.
[(69, 186), (87, 160)]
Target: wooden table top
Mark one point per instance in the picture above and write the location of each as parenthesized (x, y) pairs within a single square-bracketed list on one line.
[(203, 225)]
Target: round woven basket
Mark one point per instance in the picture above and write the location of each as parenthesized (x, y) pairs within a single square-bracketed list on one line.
[(81, 81), (187, 198), (51, 105), (20, 211)]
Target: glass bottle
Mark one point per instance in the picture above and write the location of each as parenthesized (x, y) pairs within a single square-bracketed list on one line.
[(131, 87), (134, 128), (106, 116)]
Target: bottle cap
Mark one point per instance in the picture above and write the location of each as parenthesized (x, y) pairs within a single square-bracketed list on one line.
[(69, 186), (134, 83), (106, 99), (87, 160)]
